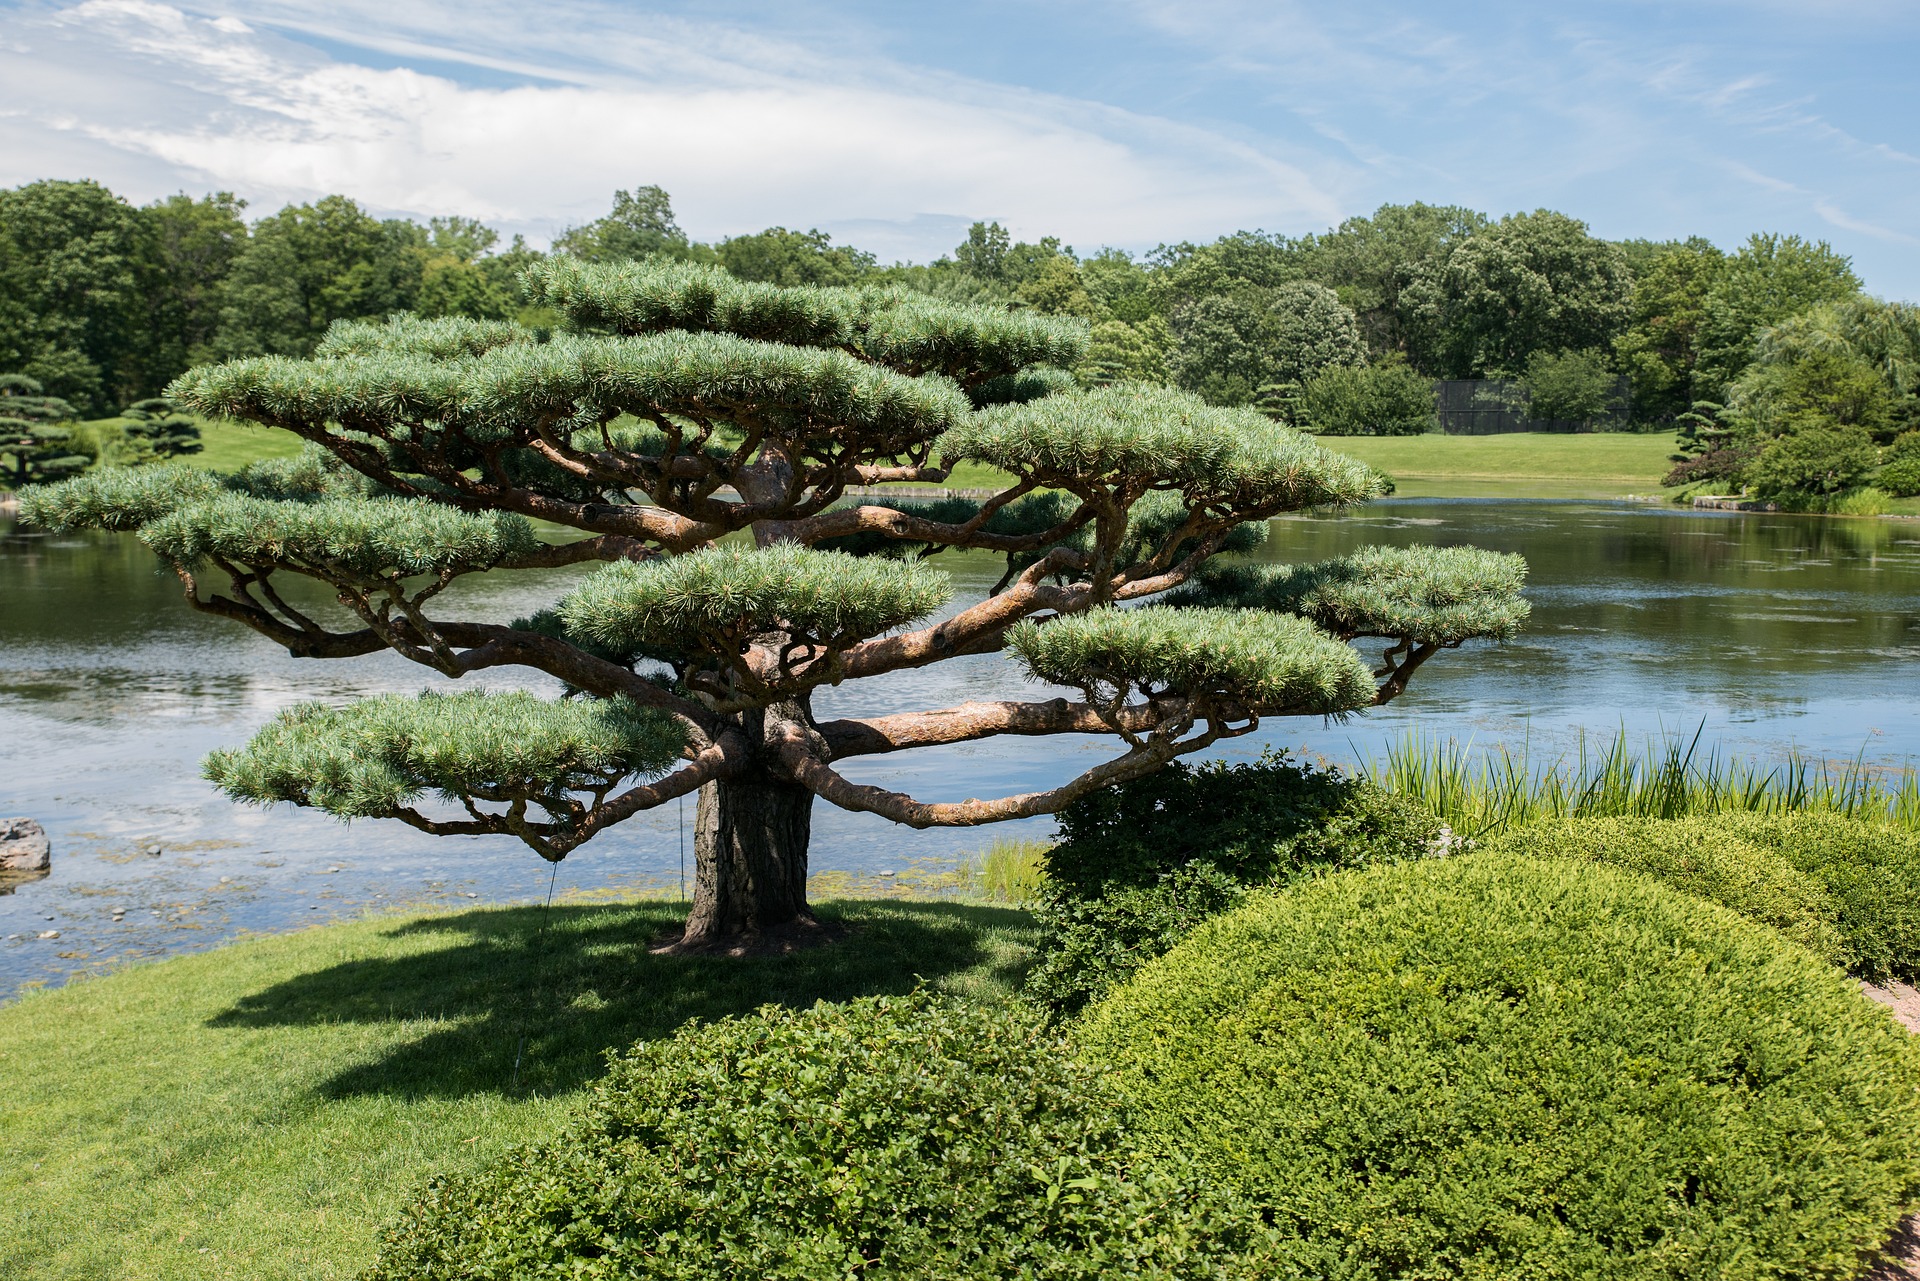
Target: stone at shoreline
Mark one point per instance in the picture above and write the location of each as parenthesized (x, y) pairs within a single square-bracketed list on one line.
[(24, 846)]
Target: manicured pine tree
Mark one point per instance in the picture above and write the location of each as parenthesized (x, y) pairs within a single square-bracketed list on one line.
[(158, 430), (35, 446), (702, 435)]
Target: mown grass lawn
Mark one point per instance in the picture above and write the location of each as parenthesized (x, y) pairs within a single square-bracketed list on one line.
[(261, 1110), (1517, 465), (225, 444)]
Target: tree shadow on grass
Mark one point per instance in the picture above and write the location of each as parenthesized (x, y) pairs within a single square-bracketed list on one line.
[(559, 999)]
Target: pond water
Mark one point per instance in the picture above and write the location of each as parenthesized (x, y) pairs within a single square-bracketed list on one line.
[(1769, 630)]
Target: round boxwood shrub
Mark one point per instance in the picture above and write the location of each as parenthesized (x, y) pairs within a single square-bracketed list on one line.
[(1499, 1066), (1697, 856), (1871, 871), (1139, 864), (906, 1137)]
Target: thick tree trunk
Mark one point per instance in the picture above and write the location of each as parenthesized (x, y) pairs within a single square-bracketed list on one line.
[(750, 853)]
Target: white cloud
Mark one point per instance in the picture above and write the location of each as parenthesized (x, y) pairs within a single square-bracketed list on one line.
[(740, 142), (1839, 218)]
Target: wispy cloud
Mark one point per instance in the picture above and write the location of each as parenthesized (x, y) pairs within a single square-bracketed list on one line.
[(1125, 123), (744, 131), (1839, 218)]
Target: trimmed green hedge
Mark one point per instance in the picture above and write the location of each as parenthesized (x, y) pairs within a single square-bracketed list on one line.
[(1140, 864), (1500, 1066), (1860, 879), (1696, 856), (1872, 872), (908, 1137)]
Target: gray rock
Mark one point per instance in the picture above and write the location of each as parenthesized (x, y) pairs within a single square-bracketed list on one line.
[(24, 846)]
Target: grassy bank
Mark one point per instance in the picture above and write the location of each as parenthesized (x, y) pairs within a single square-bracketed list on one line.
[(1517, 465), (260, 1110)]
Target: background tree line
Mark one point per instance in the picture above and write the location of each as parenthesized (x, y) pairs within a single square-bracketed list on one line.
[(102, 303)]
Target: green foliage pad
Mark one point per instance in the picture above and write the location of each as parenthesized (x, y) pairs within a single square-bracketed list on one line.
[(902, 330), (1130, 433), (717, 598), (504, 392), (378, 755), (1243, 657), (362, 537), (1501, 1066), (1426, 595)]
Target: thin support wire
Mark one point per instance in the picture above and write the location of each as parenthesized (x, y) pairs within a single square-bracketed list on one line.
[(539, 939)]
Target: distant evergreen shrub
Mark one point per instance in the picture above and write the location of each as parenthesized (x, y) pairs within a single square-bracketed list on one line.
[(909, 1137), (1140, 864), (1501, 1066)]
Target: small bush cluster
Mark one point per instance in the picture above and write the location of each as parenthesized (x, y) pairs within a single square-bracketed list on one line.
[(1502, 1066), (910, 1137), (1845, 888), (1140, 864), (1382, 399), (1900, 470)]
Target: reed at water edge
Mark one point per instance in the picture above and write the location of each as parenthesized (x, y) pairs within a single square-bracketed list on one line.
[(1482, 792)]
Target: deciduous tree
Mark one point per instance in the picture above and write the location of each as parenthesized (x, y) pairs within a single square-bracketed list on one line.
[(1528, 283), (1370, 262), (1661, 345), (1765, 281), (310, 265), (75, 273), (640, 225)]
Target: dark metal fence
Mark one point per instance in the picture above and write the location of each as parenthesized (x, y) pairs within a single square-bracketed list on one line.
[(1488, 406)]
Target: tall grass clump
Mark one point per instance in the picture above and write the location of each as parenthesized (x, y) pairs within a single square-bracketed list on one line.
[(1009, 872), (1480, 793)]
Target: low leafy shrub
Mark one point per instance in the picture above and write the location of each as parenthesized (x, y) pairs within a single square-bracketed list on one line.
[(1697, 857), (1504, 1067), (908, 1137), (1382, 399), (1900, 470), (1868, 500), (1139, 864), (1813, 462), (1870, 870)]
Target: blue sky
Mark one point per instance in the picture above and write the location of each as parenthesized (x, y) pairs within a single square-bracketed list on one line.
[(893, 125)]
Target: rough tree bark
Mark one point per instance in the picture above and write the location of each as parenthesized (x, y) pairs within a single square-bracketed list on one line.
[(750, 848)]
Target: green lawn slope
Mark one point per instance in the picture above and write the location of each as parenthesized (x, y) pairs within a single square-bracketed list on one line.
[(260, 1111), (1517, 464)]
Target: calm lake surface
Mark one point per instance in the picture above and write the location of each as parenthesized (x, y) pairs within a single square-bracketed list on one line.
[(1773, 631)]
